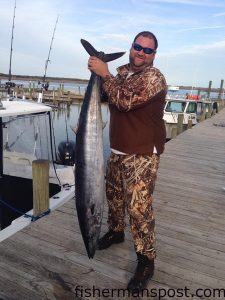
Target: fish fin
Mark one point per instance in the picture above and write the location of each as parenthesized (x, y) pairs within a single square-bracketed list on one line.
[(93, 52), (74, 129), (112, 56), (104, 124)]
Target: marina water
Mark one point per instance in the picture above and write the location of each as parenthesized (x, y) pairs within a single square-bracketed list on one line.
[(65, 118)]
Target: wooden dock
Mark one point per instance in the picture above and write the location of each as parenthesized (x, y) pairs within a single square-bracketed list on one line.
[(47, 260), (57, 97)]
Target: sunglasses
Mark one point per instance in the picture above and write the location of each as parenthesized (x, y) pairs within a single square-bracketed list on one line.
[(138, 47)]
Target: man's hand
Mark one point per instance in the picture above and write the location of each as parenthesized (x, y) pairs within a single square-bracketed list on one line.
[(98, 66)]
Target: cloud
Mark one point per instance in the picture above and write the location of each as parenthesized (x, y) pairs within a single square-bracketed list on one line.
[(221, 14), (196, 49), (187, 2), (201, 28)]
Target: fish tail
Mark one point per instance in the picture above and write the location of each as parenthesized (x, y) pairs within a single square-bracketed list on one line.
[(93, 52)]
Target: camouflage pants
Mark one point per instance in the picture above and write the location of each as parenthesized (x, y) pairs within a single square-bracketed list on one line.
[(129, 185)]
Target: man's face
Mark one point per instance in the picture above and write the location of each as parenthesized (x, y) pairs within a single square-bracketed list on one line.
[(138, 59)]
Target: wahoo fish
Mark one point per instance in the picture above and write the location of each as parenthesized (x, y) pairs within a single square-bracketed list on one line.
[(89, 159)]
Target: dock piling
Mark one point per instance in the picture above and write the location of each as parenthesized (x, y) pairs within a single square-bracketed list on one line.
[(180, 123), (174, 132), (189, 124), (209, 89), (40, 172), (221, 89)]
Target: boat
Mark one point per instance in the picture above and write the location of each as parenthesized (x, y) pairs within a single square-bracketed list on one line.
[(173, 88), (27, 135), (192, 110)]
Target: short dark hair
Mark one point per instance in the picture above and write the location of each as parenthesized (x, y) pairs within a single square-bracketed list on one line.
[(149, 35)]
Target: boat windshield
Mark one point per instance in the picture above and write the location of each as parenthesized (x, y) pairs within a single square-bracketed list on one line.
[(175, 106), (192, 107), (27, 134)]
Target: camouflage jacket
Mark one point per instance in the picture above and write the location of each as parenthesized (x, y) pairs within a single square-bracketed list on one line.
[(136, 104), (137, 89)]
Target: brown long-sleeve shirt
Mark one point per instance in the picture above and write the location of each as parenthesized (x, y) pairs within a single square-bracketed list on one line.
[(136, 105)]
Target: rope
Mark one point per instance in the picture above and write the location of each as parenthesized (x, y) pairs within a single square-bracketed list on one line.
[(33, 218)]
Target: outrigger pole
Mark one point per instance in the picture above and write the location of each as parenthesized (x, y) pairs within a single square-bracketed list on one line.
[(49, 52), (11, 50), (45, 85)]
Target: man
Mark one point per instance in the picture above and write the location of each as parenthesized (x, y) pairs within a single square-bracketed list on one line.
[(137, 136)]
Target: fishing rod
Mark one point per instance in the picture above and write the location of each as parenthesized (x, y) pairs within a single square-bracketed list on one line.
[(9, 84), (49, 52)]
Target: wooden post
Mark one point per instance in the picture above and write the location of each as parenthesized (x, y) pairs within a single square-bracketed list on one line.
[(203, 115), (220, 105), (180, 123), (208, 115), (173, 132), (189, 124), (69, 98), (221, 89), (40, 172), (210, 111), (209, 89), (58, 96), (30, 93), (53, 95)]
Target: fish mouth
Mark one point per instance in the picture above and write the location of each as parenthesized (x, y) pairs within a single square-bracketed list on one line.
[(91, 234), (90, 245)]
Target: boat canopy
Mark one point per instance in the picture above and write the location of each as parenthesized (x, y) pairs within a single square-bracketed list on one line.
[(17, 108)]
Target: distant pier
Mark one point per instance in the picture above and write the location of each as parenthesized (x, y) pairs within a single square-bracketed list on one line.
[(54, 96)]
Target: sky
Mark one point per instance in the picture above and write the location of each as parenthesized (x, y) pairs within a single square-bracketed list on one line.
[(191, 36)]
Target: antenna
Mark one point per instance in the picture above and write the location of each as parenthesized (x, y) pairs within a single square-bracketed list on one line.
[(9, 84), (49, 52), (11, 50)]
